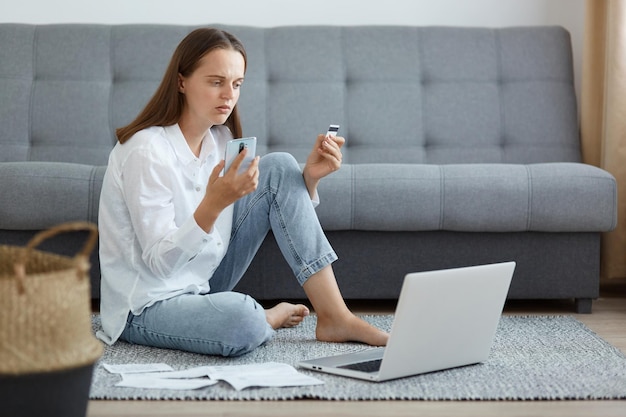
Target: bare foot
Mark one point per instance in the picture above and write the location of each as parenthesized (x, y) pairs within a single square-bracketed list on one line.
[(286, 315), (349, 328)]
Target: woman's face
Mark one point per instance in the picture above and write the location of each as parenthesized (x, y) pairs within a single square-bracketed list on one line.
[(212, 90)]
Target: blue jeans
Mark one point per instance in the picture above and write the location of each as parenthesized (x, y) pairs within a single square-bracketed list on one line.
[(228, 323)]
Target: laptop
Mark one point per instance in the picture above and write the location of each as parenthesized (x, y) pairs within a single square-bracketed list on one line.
[(444, 319)]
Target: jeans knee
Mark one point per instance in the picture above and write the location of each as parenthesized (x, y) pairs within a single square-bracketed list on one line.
[(248, 328), (280, 161)]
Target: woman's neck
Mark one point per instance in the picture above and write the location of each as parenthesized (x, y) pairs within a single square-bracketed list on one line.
[(194, 134)]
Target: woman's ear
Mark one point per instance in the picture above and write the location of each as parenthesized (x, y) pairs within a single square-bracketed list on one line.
[(181, 83)]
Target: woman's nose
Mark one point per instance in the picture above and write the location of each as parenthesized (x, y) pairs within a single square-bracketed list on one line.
[(228, 91)]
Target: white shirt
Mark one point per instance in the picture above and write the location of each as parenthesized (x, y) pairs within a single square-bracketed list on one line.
[(151, 247)]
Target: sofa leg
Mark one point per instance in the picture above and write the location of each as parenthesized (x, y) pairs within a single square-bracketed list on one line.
[(583, 305)]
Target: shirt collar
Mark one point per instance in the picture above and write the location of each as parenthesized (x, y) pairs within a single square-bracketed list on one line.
[(181, 148)]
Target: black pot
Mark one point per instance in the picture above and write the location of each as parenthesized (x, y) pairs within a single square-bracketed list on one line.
[(50, 394)]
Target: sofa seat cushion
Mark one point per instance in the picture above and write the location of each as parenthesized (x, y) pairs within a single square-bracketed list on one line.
[(549, 197), (39, 195)]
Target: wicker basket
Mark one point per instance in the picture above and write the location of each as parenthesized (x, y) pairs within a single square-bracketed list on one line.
[(46, 338)]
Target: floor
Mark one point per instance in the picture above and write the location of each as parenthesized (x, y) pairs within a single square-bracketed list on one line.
[(608, 320)]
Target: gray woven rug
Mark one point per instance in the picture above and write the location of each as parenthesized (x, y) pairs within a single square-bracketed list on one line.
[(533, 358)]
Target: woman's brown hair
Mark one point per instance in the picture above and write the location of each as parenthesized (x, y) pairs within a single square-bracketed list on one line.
[(166, 105)]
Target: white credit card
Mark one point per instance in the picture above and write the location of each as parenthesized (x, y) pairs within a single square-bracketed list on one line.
[(332, 130)]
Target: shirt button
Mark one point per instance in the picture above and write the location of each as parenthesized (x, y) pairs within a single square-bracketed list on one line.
[(198, 188)]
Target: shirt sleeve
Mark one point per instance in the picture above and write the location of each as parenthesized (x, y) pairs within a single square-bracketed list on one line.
[(316, 199), (148, 191)]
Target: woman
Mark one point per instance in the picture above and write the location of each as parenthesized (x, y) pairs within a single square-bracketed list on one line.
[(176, 235)]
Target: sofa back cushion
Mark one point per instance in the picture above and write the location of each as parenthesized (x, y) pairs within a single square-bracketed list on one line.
[(433, 95)]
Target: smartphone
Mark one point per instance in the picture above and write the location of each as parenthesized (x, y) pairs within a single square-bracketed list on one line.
[(332, 130), (234, 147)]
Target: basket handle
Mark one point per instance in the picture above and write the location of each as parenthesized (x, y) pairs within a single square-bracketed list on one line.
[(81, 257)]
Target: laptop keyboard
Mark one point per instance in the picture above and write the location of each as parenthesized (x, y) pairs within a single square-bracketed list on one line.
[(367, 366)]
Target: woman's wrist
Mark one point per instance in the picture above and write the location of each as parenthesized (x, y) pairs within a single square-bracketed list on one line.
[(311, 184), (206, 215)]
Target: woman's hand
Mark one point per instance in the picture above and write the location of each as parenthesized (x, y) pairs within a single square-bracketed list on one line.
[(324, 159), (223, 191)]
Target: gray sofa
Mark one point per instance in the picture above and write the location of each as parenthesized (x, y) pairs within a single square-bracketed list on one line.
[(462, 144)]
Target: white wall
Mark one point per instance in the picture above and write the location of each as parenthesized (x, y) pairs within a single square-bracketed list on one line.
[(266, 13)]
